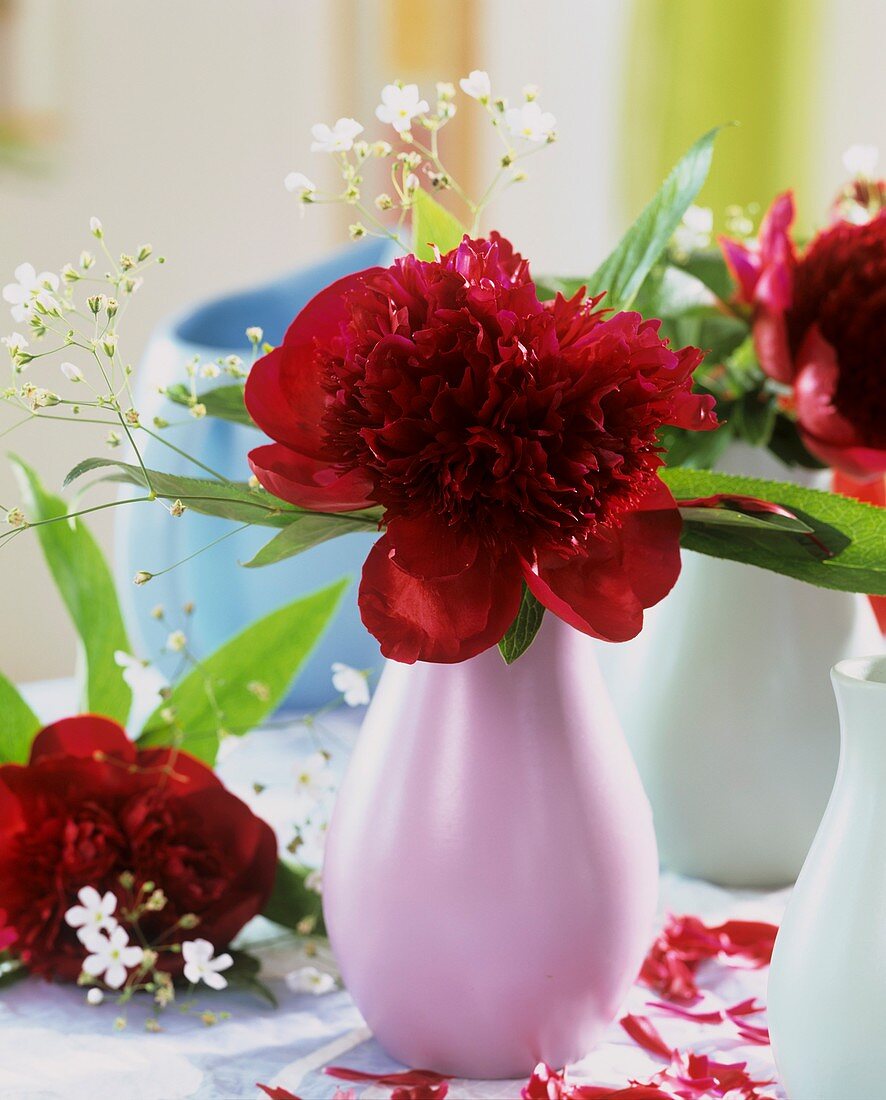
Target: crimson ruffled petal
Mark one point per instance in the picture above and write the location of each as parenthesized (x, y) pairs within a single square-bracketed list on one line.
[(445, 619), (309, 482)]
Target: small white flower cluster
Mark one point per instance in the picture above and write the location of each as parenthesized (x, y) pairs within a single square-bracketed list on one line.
[(114, 960), (351, 683), (694, 231), (522, 128)]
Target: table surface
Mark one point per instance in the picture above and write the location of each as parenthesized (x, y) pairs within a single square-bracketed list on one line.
[(52, 1045)]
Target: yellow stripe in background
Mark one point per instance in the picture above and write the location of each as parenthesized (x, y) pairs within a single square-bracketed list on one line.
[(693, 64)]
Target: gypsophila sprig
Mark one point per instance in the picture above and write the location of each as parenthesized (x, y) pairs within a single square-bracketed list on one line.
[(417, 125)]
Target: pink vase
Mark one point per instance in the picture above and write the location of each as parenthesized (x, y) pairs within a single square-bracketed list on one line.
[(491, 871)]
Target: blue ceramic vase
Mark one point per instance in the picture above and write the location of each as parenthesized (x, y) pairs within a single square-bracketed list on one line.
[(227, 596)]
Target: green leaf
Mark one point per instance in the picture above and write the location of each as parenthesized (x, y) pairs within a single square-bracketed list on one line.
[(523, 629), (845, 551), (310, 530), (753, 418), (219, 693), (730, 517), (230, 500), (291, 902), (709, 267), (698, 450), (222, 402), (244, 974), (18, 725), (624, 271), (432, 224), (87, 587)]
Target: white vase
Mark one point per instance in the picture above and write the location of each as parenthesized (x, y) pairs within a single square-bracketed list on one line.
[(725, 703), (827, 983)]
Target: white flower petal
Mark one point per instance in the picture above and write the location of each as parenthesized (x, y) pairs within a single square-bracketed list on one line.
[(214, 980), (93, 965), (115, 975)]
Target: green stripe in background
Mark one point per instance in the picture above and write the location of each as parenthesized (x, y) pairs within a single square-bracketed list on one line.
[(692, 64)]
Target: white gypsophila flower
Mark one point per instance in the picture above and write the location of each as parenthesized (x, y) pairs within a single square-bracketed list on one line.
[(335, 139), (210, 370), (95, 227), (94, 996), (308, 979), (695, 229), (146, 683), (111, 956), (314, 880), (203, 965), (400, 105), (861, 160), (351, 683), (71, 372), (297, 183), (95, 913), (28, 289), (477, 85), (313, 776), (15, 342), (176, 641), (530, 122)]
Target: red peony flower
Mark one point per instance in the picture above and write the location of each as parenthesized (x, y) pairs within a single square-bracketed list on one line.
[(88, 806), (503, 439), (819, 322), (8, 935)]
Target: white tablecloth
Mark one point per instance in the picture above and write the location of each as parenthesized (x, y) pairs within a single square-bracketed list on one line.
[(53, 1046)]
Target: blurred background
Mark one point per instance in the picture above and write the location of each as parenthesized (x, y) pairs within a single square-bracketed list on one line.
[(175, 122)]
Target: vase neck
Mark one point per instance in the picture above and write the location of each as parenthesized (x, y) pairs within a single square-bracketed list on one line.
[(860, 687)]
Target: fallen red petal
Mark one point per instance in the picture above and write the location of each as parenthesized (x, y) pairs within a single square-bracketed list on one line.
[(645, 1034)]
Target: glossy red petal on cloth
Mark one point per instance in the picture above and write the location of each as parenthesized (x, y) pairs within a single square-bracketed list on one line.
[(442, 619), (308, 482), (491, 429), (88, 806)]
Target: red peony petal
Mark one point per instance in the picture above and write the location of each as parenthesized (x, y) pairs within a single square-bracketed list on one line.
[(772, 345), (744, 266), (307, 482), (83, 737), (645, 1034), (429, 549), (627, 569), (446, 619), (407, 1077), (685, 1014), (180, 773), (284, 391), (275, 1092)]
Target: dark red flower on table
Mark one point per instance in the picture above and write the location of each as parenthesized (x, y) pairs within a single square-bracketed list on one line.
[(685, 942), (89, 806), (502, 439), (819, 322)]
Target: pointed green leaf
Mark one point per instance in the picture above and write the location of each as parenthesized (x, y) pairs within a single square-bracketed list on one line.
[(432, 224), (291, 901), (86, 585), (222, 402), (244, 681), (523, 629), (623, 272), (18, 725), (230, 500), (310, 530), (846, 549)]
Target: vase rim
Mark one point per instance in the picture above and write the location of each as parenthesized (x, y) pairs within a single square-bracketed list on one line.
[(869, 672)]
